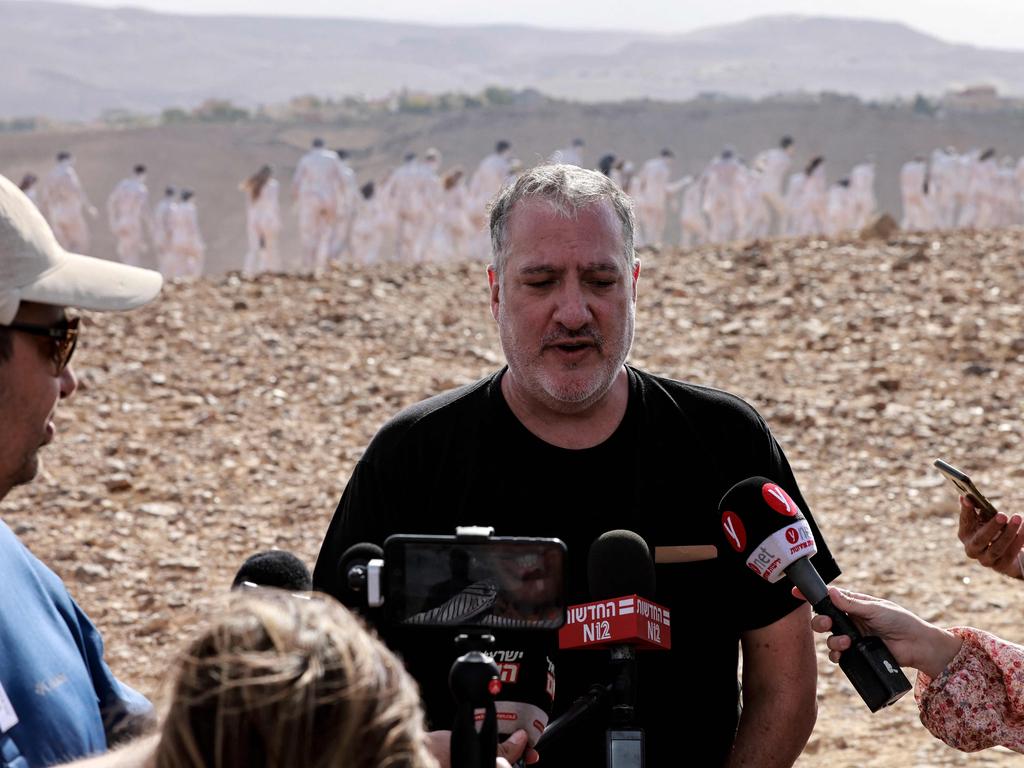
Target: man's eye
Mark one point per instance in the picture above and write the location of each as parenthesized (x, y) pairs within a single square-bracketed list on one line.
[(541, 283), (602, 283)]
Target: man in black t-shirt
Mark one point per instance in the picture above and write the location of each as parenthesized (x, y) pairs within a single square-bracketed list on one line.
[(568, 441)]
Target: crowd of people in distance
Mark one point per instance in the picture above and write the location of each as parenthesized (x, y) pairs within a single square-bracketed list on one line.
[(173, 224), (733, 200), (973, 190), (418, 213)]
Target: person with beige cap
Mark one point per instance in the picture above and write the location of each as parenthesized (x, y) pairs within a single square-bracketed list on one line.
[(58, 698)]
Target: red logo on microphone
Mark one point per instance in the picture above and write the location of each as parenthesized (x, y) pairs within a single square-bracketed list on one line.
[(779, 500), (792, 535), (735, 533)]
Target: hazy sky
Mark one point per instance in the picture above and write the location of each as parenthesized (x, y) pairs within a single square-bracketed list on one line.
[(990, 23)]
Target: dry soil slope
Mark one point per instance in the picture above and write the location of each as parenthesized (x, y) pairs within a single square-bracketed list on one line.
[(226, 417)]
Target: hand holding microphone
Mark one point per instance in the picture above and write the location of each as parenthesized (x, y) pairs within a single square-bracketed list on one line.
[(913, 641), (763, 525)]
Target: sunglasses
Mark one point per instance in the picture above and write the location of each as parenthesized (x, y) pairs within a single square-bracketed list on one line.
[(63, 337)]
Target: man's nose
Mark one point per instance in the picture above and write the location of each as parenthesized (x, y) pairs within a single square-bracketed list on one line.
[(68, 382), (572, 311)]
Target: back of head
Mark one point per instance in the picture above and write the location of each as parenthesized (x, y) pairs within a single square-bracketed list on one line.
[(318, 143), (367, 190), (453, 177), (186, 195), (255, 183), (568, 189), (169, 192), (278, 681), (786, 142), (502, 146), (139, 170), (63, 155), (666, 152)]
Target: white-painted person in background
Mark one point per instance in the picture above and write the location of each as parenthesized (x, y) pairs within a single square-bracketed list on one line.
[(187, 252), (128, 215), (63, 201), (263, 222)]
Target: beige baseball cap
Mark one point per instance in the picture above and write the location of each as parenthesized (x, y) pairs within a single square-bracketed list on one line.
[(34, 266)]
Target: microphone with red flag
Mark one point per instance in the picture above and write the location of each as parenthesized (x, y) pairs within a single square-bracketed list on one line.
[(623, 619), (764, 526), (621, 574)]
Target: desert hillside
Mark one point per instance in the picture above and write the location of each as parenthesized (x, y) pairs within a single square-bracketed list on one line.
[(225, 419), (75, 61)]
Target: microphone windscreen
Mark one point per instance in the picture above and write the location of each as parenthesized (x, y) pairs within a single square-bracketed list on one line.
[(619, 563), (752, 510), (275, 568), (357, 554)]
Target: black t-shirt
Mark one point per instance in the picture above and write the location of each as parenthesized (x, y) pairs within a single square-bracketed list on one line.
[(463, 458)]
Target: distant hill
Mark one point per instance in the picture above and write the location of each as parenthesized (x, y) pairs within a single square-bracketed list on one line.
[(73, 62)]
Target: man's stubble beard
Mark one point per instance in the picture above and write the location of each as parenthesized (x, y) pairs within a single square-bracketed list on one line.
[(530, 373)]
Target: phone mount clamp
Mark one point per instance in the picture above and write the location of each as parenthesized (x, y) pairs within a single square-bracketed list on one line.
[(474, 682)]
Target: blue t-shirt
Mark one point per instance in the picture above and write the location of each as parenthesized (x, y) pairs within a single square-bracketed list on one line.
[(59, 700)]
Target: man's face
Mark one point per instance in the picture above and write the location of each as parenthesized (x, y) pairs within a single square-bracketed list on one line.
[(564, 305), (30, 389)]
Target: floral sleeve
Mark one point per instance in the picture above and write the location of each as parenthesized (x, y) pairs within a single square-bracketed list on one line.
[(978, 701)]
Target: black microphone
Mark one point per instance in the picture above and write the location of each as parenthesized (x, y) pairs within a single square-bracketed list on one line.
[(764, 526), (619, 563), (352, 573), (274, 568)]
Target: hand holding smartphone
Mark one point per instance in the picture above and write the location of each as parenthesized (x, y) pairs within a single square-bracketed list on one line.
[(986, 510)]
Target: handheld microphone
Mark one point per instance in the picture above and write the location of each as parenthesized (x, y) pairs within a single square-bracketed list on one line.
[(274, 568), (527, 695), (762, 524)]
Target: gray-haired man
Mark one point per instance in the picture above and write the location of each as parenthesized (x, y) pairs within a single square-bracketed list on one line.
[(569, 441)]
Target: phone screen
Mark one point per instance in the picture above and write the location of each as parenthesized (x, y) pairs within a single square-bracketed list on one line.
[(514, 583)]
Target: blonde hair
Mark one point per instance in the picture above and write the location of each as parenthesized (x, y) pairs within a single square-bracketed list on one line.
[(280, 681)]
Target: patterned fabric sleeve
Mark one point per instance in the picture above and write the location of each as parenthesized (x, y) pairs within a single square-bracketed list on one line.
[(978, 701)]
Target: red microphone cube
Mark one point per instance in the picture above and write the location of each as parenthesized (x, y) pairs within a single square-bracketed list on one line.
[(630, 620)]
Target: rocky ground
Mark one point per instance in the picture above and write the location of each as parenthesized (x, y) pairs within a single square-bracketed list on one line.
[(226, 417)]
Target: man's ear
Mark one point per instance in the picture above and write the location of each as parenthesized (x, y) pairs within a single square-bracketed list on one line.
[(636, 276), (492, 284)]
